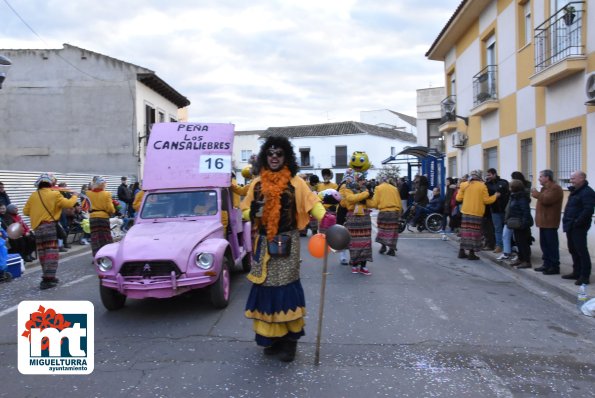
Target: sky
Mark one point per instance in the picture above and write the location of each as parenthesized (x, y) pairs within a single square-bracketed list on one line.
[(257, 63)]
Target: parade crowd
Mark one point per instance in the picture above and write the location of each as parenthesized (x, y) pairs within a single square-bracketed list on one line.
[(282, 205), (490, 214), (55, 212)]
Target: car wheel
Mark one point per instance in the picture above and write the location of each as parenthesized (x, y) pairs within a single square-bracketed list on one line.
[(112, 300), (247, 262), (220, 290)]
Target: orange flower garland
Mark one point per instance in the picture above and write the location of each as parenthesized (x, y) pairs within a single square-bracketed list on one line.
[(273, 184)]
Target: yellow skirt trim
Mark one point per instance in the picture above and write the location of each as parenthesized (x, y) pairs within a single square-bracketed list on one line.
[(278, 329), (278, 317), (263, 276)]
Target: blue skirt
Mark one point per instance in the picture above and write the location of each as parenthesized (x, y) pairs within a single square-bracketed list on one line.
[(277, 311)]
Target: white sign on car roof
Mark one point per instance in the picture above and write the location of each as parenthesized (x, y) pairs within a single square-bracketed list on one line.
[(184, 155)]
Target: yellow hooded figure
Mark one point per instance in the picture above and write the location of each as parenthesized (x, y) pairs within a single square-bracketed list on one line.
[(359, 161)]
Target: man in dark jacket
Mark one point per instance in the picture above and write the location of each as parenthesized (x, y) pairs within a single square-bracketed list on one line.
[(124, 195), (4, 199), (497, 184), (404, 189), (576, 223)]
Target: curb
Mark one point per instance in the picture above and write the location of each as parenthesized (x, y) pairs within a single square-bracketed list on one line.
[(73, 250), (552, 283), (539, 279)]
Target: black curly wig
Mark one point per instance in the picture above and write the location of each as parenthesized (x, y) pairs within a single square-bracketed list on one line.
[(278, 142)]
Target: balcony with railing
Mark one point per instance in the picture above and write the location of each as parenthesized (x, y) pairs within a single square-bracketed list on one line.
[(339, 161), (485, 93), (559, 48), (448, 118)]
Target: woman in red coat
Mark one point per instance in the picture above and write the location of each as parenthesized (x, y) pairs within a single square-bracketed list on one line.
[(25, 245)]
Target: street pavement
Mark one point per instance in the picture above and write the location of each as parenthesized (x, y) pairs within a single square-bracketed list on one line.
[(424, 324), (554, 285)]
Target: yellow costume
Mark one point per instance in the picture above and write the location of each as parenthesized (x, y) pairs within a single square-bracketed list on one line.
[(386, 198)]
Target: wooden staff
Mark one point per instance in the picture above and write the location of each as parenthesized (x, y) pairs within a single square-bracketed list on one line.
[(321, 308)]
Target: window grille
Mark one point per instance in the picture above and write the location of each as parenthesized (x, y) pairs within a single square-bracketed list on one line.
[(305, 160), (340, 159), (435, 138), (490, 158), (149, 121), (565, 150), (527, 158)]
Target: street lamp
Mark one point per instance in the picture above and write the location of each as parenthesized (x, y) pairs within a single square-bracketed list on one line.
[(450, 113), (4, 61)]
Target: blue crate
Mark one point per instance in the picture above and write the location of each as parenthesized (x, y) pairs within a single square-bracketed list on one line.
[(14, 263)]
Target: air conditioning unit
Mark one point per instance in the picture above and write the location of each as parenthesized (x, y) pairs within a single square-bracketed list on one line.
[(590, 90), (458, 139)]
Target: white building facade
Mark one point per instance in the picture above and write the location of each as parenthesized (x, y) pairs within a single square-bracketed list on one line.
[(330, 145)]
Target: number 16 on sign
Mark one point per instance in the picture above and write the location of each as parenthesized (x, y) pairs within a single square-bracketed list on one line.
[(215, 164)]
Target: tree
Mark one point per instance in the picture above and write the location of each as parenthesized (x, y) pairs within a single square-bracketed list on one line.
[(389, 171)]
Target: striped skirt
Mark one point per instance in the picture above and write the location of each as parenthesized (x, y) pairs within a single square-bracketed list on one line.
[(47, 249), (471, 236), (360, 229), (101, 233), (388, 224)]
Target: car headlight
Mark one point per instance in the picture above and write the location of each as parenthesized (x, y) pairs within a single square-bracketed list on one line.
[(204, 260), (104, 263)]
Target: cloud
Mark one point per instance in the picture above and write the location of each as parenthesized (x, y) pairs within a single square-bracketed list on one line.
[(259, 64)]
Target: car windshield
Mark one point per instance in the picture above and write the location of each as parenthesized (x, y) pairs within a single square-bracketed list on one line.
[(180, 204)]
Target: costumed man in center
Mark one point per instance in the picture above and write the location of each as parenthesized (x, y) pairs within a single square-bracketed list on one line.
[(279, 203), (388, 201)]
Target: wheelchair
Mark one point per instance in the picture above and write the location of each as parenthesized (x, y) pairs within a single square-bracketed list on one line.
[(432, 222)]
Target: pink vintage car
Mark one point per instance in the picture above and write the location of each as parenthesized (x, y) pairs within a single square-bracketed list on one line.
[(187, 234)]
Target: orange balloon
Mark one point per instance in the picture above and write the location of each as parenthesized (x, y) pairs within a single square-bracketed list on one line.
[(316, 245)]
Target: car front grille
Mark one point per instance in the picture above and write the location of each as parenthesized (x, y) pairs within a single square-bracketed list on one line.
[(149, 269)]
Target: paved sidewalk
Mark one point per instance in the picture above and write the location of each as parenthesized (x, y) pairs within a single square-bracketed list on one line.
[(563, 287)]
